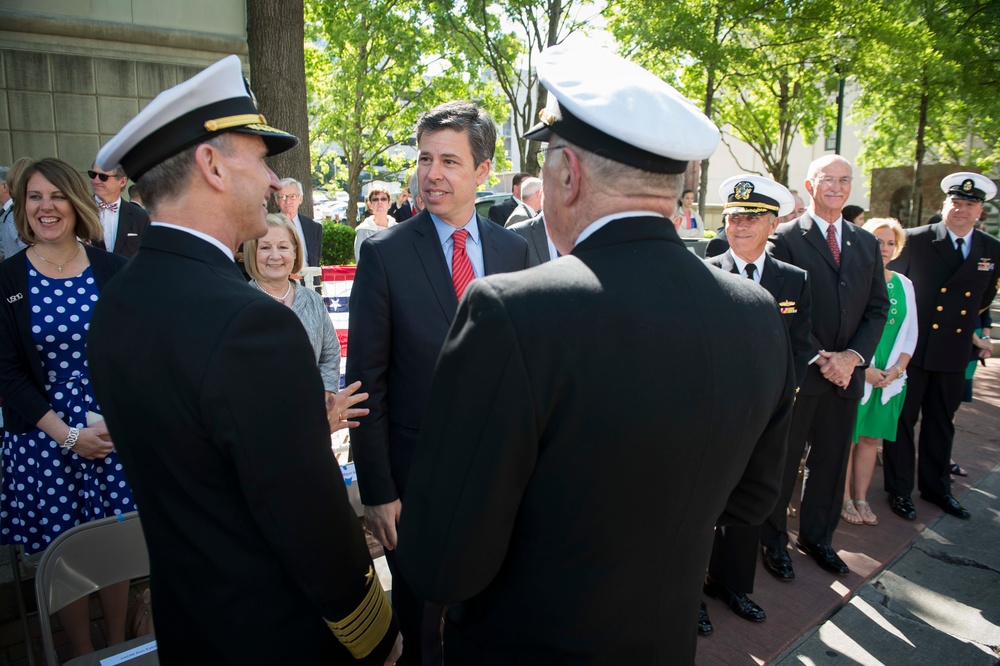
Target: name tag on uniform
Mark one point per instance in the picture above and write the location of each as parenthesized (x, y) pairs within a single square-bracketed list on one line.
[(787, 307), (985, 264)]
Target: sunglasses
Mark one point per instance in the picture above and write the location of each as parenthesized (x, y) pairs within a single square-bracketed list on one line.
[(103, 176)]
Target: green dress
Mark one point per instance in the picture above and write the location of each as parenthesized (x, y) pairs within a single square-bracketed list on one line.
[(874, 418)]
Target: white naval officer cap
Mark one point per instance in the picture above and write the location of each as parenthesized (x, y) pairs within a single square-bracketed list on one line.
[(969, 186), (217, 99), (618, 110), (748, 193)]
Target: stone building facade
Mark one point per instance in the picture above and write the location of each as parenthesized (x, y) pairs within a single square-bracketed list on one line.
[(73, 73)]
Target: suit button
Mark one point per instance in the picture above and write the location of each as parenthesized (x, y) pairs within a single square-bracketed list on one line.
[(958, 330), (963, 312), (968, 293), (944, 290), (940, 308), (935, 326), (843, 284)]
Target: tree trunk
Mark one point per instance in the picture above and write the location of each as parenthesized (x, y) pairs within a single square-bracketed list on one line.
[(918, 161), (275, 39), (707, 109)]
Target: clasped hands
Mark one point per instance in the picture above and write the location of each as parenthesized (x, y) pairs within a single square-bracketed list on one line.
[(838, 367)]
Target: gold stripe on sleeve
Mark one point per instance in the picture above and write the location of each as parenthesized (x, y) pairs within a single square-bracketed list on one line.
[(362, 630)]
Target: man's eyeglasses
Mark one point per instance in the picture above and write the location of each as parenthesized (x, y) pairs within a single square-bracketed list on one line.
[(283, 197), (830, 180), (103, 176), (542, 152)]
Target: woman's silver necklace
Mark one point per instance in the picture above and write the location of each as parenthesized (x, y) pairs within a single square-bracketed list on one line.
[(59, 267), (277, 298)]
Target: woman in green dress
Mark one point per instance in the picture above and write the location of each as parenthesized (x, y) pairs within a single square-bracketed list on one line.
[(885, 378)]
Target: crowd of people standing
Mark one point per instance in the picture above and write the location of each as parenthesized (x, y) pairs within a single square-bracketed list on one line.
[(470, 392)]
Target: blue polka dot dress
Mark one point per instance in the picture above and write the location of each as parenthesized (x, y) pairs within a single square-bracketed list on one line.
[(45, 489)]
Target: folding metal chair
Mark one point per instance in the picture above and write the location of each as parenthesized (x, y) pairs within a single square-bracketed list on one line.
[(83, 560)]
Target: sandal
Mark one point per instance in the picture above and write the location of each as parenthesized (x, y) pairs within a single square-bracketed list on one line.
[(958, 471), (865, 510), (850, 514)]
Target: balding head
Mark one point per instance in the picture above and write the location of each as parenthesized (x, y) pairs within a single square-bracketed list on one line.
[(531, 193)]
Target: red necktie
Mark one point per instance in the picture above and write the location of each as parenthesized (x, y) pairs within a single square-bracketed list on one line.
[(113, 207), (461, 268), (831, 240)]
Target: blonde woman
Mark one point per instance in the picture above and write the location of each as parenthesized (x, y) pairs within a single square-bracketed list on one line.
[(885, 378)]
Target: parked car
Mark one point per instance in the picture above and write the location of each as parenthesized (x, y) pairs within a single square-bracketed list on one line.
[(484, 202)]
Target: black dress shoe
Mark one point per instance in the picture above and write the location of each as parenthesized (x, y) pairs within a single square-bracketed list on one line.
[(825, 556), (902, 506), (778, 563), (704, 624), (738, 602), (949, 504)]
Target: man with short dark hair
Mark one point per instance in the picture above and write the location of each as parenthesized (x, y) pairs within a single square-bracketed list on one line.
[(409, 282), (124, 222), (256, 556), (134, 195), (289, 198), (499, 212), (955, 270), (512, 465)]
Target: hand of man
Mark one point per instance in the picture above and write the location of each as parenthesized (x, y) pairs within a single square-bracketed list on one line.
[(381, 521), (839, 367)]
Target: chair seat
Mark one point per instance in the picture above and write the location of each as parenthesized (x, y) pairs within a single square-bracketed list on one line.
[(143, 659)]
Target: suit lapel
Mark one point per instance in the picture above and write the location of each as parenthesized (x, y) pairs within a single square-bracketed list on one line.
[(124, 224), (944, 246), (727, 263), (428, 248), (848, 244), (492, 260), (770, 278), (541, 241)]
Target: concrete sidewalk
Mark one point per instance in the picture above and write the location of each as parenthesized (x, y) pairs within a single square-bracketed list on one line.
[(937, 603)]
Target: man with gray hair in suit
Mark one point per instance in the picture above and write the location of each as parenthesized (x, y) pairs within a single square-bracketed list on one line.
[(530, 204), (12, 244)]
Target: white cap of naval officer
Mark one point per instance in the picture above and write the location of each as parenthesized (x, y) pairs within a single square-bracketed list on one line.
[(969, 186), (216, 100), (618, 110), (750, 194)]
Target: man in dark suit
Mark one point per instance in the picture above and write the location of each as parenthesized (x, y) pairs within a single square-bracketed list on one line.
[(409, 281), (540, 247), (124, 222), (289, 199), (955, 271), (513, 463), (849, 305), (499, 212), (752, 207), (404, 207), (256, 556)]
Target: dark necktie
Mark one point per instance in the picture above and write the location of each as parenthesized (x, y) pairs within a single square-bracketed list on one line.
[(461, 268), (959, 242), (831, 240), (750, 268)]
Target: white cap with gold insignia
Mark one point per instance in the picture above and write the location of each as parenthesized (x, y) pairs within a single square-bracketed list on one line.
[(747, 193), (969, 186)]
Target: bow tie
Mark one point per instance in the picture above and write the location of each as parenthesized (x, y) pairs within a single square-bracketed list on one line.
[(113, 207)]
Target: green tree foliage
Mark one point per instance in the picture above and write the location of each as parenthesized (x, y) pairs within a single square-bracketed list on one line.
[(372, 67), (761, 67), (338, 244), (505, 36), (928, 73)]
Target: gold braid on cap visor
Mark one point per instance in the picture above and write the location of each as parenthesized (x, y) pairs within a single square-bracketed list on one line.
[(234, 121)]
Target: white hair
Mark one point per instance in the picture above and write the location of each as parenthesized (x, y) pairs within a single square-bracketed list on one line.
[(530, 187)]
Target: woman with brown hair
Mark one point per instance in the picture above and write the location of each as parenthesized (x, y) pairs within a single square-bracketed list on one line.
[(59, 464)]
